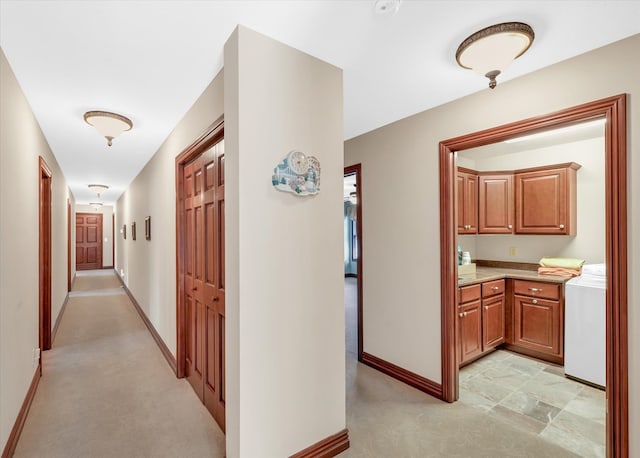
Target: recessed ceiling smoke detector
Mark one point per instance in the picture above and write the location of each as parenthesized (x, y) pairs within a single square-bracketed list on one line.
[(386, 7)]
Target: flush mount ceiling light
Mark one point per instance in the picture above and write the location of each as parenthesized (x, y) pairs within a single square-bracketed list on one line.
[(110, 125), (98, 188), (492, 49)]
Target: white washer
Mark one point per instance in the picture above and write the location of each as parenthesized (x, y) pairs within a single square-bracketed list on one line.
[(585, 328)]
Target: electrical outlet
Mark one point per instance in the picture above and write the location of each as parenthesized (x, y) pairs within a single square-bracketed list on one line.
[(36, 356), (513, 251)]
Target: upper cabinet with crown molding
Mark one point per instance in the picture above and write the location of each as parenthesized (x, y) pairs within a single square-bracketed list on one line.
[(535, 201), (546, 200)]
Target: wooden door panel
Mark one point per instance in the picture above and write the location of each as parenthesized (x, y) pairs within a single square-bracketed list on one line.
[(470, 325), (88, 241), (80, 233), (496, 204), (460, 199), (492, 322), (541, 202), (80, 256), (471, 203), (537, 324)]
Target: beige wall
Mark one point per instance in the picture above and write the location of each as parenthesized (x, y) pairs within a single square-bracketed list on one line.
[(401, 242), (107, 224), (284, 296), (149, 267), (589, 241), (21, 142)]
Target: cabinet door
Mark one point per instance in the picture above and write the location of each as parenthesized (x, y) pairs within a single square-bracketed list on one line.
[(492, 322), (470, 330), (495, 204), (538, 324), (467, 198), (542, 200)]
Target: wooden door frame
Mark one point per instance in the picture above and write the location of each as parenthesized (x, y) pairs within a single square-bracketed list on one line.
[(613, 109), (44, 254), (356, 170), (100, 236), (68, 245), (212, 135)]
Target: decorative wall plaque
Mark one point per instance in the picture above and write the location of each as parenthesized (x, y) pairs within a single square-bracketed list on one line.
[(297, 173)]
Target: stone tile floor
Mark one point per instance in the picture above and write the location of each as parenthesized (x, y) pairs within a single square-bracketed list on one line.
[(536, 397)]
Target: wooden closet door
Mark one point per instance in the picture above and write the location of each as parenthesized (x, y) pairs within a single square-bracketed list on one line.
[(204, 278)]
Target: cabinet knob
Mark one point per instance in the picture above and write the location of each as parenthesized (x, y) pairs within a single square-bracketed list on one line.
[(460, 314), (510, 226), (215, 298), (535, 301), (535, 290), (562, 226)]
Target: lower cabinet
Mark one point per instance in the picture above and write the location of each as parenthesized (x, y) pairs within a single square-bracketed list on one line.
[(538, 324), (470, 326), (492, 322), (481, 323), (527, 317)]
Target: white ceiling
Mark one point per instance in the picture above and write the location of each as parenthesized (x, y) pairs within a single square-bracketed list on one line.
[(150, 60)]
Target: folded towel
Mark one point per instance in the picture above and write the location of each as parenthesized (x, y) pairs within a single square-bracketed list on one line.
[(559, 271), (595, 269), (567, 263)]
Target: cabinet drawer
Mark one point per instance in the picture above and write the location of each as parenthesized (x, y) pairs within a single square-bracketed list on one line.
[(537, 289), (491, 288), (468, 293)]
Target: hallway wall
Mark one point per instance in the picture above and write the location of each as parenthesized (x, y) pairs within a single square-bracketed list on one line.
[(402, 242), (148, 268), (21, 143), (285, 336)]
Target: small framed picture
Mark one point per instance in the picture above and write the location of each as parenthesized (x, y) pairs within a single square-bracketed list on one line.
[(147, 228), (124, 231), (133, 230)]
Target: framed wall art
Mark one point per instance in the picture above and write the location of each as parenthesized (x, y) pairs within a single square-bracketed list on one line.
[(147, 228), (133, 230)]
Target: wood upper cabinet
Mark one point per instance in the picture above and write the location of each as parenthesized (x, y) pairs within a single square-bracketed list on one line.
[(469, 323), (495, 204), (545, 200), (538, 319), (467, 198)]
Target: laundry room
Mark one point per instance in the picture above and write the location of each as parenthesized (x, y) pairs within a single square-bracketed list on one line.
[(531, 321)]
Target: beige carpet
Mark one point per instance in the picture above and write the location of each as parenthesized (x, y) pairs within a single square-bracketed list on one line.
[(107, 391)]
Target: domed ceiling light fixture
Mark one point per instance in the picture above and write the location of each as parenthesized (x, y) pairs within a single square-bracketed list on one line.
[(110, 125), (98, 188), (491, 50)]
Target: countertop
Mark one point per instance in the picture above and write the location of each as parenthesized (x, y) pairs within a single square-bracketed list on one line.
[(496, 273)]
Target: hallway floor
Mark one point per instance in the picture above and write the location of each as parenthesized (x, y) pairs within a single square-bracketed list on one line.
[(107, 391)]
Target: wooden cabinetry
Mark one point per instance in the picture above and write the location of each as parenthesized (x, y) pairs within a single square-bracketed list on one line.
[(545, 200), (495, 204), (538, 319), (469, 323), (467, 198), (492, 314), (481, 322)]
